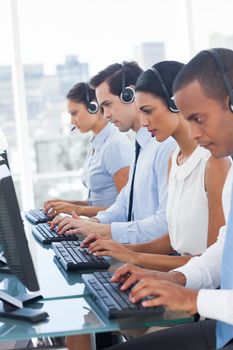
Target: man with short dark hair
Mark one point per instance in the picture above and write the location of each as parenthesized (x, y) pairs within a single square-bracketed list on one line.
[(204, 95)]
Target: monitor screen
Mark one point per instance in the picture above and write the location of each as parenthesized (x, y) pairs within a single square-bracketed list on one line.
[(12, 234)]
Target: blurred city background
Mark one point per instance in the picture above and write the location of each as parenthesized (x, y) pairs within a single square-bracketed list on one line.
[(64, 42)]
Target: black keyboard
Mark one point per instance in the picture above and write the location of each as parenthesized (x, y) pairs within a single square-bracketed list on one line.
[(36, 216), (46, 236), (112, 301), (73, 257)]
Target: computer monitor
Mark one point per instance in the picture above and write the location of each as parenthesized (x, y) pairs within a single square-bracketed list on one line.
[(3, 264), (16, 250)]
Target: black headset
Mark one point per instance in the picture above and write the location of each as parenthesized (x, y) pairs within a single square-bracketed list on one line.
[(127, 92), (92, 106), (170, 102), (223, 70)]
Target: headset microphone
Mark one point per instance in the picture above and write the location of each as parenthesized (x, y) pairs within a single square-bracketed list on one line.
[(72, 129)]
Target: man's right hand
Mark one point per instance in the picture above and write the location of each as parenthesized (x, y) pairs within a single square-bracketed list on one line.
[(166, 293), (49, 205), (130, 274), (90, 239)]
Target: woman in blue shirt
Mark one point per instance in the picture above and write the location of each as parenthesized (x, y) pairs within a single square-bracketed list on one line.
[(106, 167)]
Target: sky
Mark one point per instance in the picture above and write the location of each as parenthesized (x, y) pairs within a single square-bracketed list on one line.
[(101, 32)]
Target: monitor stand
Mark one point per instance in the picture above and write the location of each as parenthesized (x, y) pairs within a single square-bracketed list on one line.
[(3, 264), (14, 307)]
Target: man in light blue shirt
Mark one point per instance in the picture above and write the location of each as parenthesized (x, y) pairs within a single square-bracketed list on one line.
[(114, 93), (150, 195)]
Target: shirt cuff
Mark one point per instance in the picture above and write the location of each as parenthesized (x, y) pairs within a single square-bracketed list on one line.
[(119, 232), (216, 304), (193, 271), (103, 218)]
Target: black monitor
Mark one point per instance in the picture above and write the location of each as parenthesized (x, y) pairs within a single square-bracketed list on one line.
[(16, 251), (3, 264)]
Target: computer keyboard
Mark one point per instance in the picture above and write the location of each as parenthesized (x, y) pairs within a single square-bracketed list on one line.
[(112, 301), (73, 257), (46, 236), (36, 216)]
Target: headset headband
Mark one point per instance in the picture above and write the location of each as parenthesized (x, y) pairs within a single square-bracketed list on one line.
[(214, 53), (170, 103)]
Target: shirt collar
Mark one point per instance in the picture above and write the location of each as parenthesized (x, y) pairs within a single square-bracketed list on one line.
[(143, 136), (100, 138)]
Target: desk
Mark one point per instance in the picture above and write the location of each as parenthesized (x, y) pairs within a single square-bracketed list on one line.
[(76, 316), (71, 309)]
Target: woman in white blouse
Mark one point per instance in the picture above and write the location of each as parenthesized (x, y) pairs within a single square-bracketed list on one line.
[(108, 158), (196, 179)]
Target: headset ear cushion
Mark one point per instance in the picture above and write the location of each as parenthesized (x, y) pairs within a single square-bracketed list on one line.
[(231, 103), (127, 95), (93, 107), (172, 106)]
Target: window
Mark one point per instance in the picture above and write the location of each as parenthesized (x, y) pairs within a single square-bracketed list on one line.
[(63, 42)]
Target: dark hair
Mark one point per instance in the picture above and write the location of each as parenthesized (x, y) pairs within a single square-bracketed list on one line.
[(204, 69), (80, 93), (113, 76), (149, 83)]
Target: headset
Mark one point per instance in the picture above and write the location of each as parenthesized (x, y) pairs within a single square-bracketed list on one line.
[(170, 102), (92, 106), (214, 53), (127, 92)]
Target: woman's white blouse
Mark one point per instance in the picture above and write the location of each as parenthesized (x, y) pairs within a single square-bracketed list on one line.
[(187, 206)]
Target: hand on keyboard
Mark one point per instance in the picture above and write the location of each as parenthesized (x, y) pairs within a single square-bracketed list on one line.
[(90, 239), (58, 206), (65, 223), (49, 204), (76, 225), (100, 246), (128, 275), (166, 293)]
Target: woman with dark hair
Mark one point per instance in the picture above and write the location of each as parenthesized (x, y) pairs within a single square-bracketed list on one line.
[(106, 167), (195, 182)]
